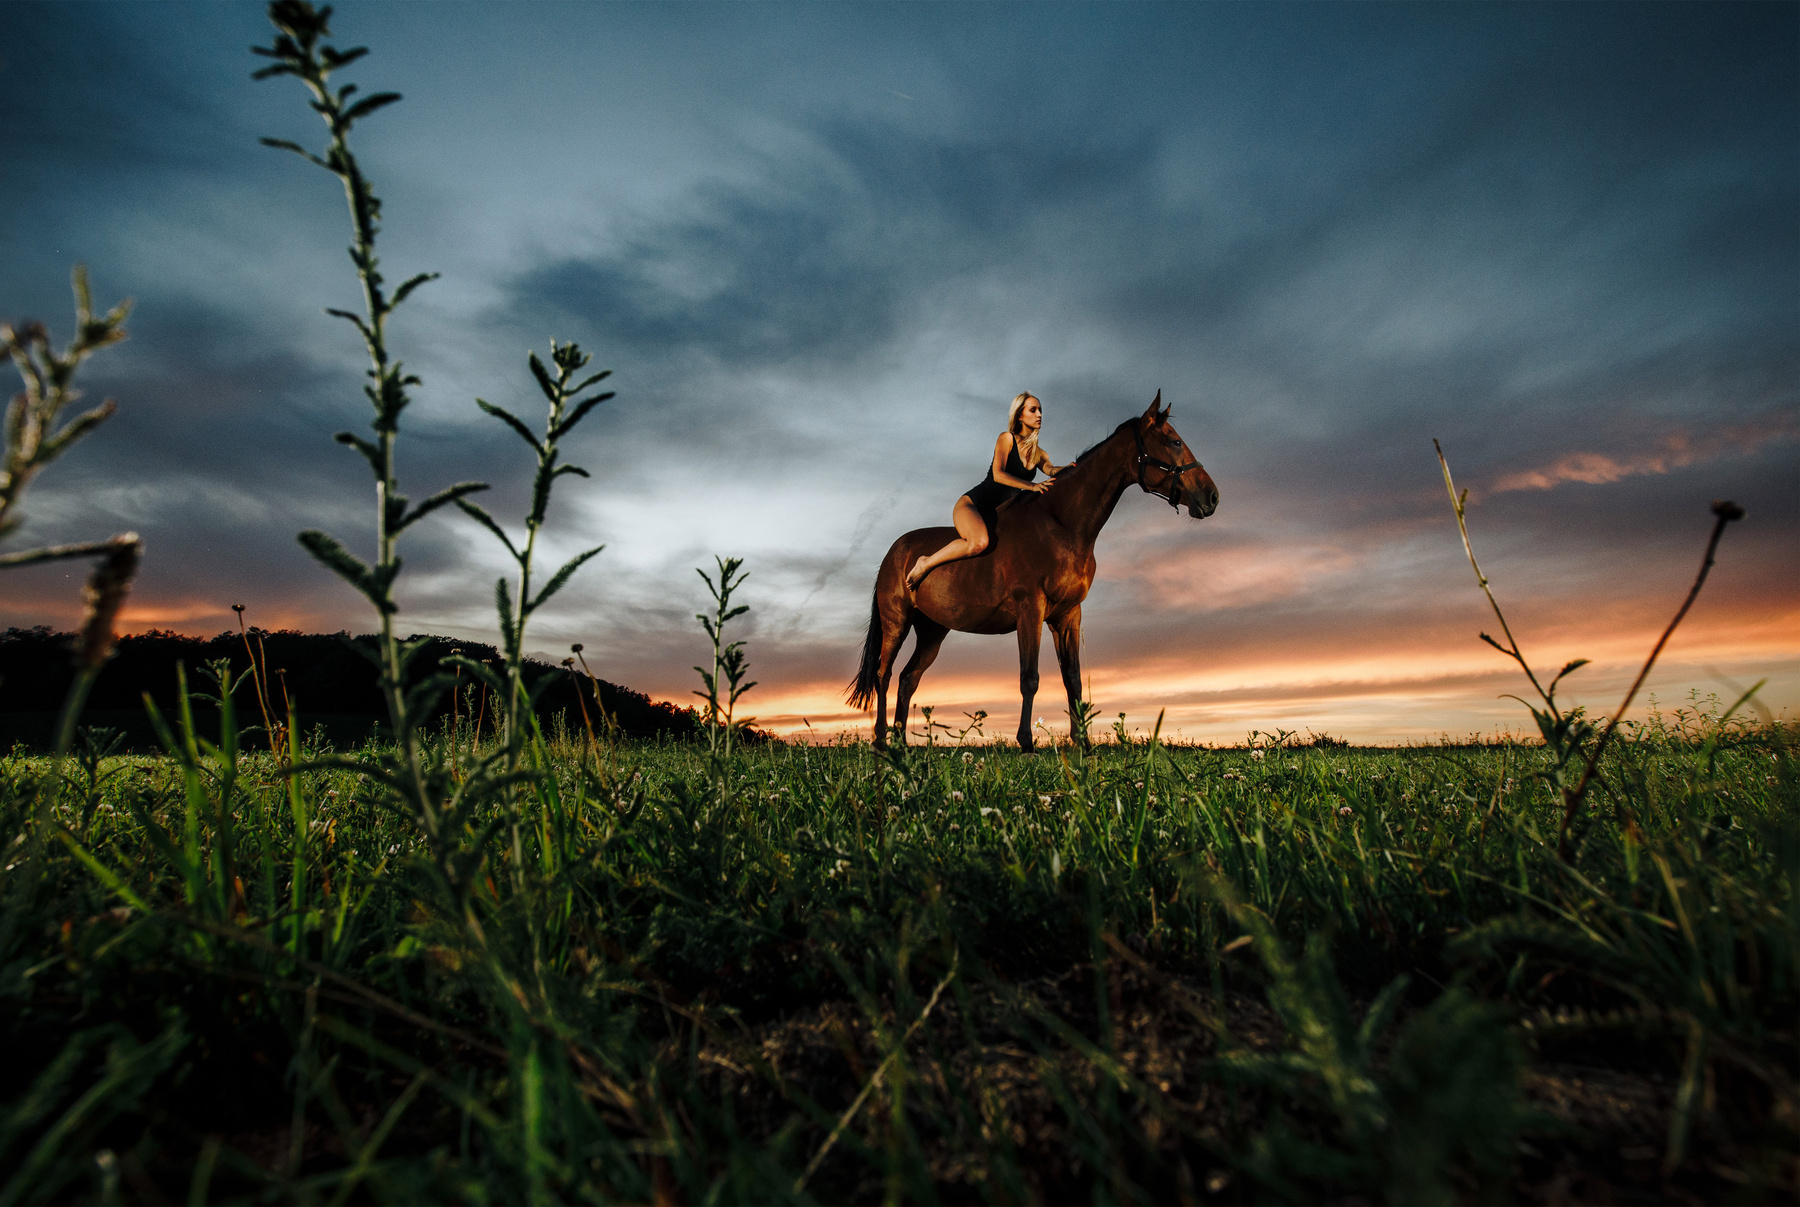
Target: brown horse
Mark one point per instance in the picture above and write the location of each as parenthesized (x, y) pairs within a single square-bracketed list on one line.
[(1036, 571)]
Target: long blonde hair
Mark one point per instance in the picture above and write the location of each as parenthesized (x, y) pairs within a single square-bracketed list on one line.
[(1026, 443)]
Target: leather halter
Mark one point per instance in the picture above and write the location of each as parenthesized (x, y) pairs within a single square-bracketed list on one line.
[(1146, 461)]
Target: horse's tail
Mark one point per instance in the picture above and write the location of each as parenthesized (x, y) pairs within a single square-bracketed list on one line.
[(861, 692)]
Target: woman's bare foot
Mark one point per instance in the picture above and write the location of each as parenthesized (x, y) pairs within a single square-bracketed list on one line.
[(914, 575)]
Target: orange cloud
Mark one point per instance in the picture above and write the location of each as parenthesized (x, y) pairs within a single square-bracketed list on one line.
[(1672, 452)]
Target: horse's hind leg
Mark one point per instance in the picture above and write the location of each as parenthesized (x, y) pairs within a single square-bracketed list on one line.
[(925, 652), (893, 635)]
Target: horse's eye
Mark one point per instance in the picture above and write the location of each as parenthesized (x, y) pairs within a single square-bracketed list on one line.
[(1176, 442)]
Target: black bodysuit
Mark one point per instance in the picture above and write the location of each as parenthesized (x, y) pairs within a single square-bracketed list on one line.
[(989, 494)]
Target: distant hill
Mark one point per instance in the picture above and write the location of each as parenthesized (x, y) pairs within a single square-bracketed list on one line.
[(331, 683)]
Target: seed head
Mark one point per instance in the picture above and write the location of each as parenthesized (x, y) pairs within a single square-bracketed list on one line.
[(104, 594)]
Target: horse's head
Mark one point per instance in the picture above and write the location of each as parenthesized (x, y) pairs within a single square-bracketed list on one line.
[(1166, 467)]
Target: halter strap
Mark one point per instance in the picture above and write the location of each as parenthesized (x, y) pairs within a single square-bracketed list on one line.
[(1146, 461)]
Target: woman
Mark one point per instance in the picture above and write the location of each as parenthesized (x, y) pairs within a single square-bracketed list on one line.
[(1017, 458)]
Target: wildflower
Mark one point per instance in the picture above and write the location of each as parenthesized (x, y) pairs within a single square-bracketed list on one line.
[(1342, 771), (1068, 815), (954, 827), (1345, 811), (1138, 784), (1044, 801), (967, 757), (1256, 756), (1153, 798), (893, 810), (1019, 809), (954, 796)]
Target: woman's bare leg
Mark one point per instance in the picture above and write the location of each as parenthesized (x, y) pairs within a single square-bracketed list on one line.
[(972, 540)]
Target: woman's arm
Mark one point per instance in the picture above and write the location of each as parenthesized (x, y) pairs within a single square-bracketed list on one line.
[(1003, 446), (1044, 463)]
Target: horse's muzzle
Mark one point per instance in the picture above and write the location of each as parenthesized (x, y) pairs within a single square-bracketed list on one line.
[(1203, 502)]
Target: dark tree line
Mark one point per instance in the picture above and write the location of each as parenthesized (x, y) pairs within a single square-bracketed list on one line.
[(331, 684)]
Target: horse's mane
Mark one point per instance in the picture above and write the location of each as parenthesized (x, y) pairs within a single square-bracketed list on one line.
[(1083, 454)]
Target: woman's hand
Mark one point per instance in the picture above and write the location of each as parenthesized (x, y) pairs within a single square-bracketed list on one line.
[(1038, 487)]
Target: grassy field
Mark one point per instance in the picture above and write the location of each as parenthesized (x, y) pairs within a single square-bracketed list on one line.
[(957, 973)]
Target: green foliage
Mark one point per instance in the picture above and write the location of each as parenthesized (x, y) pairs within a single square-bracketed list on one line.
[(567, 408), (724, 679), (1408, 1110)]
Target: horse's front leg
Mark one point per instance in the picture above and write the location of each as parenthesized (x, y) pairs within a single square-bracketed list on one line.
[(1066, 631), (1031, 632)]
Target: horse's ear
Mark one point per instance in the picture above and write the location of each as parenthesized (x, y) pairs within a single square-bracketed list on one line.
[(1151, 416)]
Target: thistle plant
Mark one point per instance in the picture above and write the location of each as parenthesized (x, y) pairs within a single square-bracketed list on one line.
[(299, 51), (567, 408), (33, 441), (459, 809)]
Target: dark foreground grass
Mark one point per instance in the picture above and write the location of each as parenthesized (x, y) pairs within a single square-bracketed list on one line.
[(963, 974)]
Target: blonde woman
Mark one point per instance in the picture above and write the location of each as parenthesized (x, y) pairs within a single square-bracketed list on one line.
[(1017, 459)]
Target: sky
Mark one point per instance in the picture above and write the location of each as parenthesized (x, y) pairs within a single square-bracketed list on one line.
[(822, 246)]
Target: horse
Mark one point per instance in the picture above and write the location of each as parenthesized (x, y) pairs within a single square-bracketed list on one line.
[(1037, 569)]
